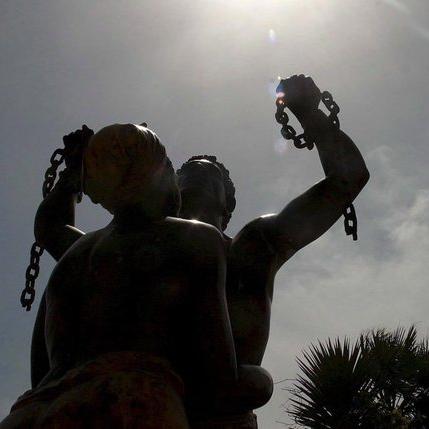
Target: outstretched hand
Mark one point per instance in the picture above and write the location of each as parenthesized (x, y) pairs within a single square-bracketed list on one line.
[(300, 94)]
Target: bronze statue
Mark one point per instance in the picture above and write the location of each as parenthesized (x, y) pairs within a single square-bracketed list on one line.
[(137, 310), (256, 253)]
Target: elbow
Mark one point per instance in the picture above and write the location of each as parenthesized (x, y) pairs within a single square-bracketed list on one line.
[(42, 230), (45, 233), (42, 238), (359, 181), (40, 233), (353, 184), (358, 176), (363, 178)]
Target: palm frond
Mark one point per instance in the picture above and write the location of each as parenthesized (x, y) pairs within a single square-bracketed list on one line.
[(381, 381), (333, 384)]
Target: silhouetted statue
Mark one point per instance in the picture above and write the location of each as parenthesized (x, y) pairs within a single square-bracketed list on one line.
[(135, 311), (258, 251)]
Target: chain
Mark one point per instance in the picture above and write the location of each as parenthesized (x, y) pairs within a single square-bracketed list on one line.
[(302, 140), (27, 295), (288, 132), (332, 107), (56, 160), (350, 221), (32, 272)]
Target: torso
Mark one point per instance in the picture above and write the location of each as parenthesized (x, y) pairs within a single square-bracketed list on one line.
[(135, 294), (131, 291)]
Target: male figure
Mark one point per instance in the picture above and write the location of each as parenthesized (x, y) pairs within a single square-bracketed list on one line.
[(134, 308), (258, 251)]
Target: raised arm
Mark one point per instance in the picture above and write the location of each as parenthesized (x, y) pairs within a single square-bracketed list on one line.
[(54, 223), (54, 230), (55, 218), (308, 216)]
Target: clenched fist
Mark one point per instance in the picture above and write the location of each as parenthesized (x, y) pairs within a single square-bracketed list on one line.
[(300, 94), (74, 146)]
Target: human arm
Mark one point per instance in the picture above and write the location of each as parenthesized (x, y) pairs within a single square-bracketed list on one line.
[(55, 218), (213, 336), (233, 389), (311, 214), (62, 306), (54, 230), (39, 354)]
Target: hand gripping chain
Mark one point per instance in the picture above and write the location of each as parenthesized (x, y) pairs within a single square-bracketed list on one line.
[(301, 140)]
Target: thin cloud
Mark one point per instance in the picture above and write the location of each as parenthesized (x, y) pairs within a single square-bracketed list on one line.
[(404, 9), (397, 5)]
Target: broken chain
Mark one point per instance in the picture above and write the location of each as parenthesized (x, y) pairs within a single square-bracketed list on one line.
[(303, 140), (33, 269)]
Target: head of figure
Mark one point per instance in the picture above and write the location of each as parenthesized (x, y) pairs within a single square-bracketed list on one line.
[(125, 165), (204, 184)]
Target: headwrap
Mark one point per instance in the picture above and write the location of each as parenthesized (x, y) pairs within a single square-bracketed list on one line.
[(120, 162)]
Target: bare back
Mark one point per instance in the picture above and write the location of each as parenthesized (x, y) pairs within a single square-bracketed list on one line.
[(152, 289)]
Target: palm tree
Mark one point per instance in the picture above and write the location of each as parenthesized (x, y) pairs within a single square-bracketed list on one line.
[(381, 381)]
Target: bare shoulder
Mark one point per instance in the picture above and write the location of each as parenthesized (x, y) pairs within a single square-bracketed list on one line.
[(262, 240), (73, 262), (196, 232), (81, 246), (256, 230)]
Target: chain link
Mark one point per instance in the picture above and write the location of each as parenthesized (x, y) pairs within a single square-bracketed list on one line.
[(332, 107), (288, 132), (56, 160), (303, 140), (27, 295), (350, 221)]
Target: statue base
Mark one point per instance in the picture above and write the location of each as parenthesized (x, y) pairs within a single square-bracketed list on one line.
[(115, 390)]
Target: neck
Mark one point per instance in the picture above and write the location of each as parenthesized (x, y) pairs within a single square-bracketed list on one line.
[(203, 215), (137, 215)]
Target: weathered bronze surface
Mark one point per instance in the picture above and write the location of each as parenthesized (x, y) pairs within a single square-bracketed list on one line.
[(258, 251), (155, 285), (137, 309)]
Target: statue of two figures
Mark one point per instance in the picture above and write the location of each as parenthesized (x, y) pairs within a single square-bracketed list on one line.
[(160, 320)]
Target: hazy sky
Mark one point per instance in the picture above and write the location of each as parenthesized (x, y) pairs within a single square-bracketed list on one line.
[(202, 74)]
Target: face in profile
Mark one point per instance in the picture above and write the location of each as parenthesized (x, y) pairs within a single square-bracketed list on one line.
[(201, 184)]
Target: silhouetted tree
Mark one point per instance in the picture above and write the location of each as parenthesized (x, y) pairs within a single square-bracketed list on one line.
[(380, 382)]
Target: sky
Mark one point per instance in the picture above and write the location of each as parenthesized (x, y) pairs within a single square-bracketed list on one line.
[(202, 75)]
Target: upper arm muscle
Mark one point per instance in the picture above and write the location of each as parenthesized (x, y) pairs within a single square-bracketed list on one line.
[(310, 215)]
